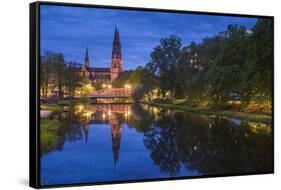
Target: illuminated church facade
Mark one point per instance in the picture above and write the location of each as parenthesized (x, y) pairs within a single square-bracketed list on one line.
[(109, 74)]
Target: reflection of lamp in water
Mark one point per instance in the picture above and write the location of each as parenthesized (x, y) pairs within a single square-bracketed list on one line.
[(155, 110), (127, 86), (88, 113), (88, 86)]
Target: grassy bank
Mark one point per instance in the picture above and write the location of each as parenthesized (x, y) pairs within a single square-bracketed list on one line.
[(48, 134), (50, 107), (244, 116), (123, 100)]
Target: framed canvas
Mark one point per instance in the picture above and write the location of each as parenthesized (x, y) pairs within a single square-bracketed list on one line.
[(120, 94)]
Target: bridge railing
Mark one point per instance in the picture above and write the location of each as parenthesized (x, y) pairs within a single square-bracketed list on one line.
[(113, 92), (113, 108)]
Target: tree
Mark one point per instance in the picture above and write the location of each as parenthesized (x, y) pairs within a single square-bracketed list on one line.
[(189, 76), (72, 78), (45, 73), (51, 68), (257, 83), (140, 79), (58, 61), (224, 75), (164, 63)]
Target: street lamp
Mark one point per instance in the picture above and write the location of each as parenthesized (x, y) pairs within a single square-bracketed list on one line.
[(127, 86)]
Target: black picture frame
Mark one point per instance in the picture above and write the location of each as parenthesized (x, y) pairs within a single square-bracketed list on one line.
[(34, 91)]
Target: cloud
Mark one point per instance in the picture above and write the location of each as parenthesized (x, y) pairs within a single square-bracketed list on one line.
[(70, 30)]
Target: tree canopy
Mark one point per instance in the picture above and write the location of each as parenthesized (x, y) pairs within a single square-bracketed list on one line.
[(236, 65)]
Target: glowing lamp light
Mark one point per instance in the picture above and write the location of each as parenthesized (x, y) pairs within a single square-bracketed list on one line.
[(127, 86), (88, 86), (88, 114), (80, 107)]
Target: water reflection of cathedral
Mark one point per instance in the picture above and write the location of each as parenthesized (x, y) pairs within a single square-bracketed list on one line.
[(109, 117), (116, 132)]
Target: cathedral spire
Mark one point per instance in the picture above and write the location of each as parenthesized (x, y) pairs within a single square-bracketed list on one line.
[(116, 60), (116, 50), (87, 61), (116, 34)]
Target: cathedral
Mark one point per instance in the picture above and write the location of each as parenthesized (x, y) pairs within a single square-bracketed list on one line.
[(108, 74)]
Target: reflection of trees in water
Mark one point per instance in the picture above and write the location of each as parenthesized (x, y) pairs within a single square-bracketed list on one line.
[(161, 141), (140, 119), (223, 147), (208, 145), (70, 128)]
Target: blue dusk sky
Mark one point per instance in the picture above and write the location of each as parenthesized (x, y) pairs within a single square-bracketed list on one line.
[(69, 30)]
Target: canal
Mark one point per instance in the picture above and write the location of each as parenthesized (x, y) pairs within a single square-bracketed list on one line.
[(112, 142)]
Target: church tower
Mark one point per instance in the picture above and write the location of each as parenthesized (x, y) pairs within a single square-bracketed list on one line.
[(116, 59), (87, 61), (86, 65)]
